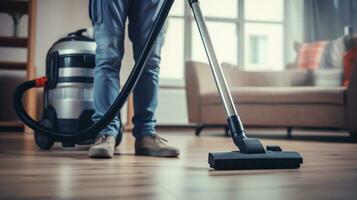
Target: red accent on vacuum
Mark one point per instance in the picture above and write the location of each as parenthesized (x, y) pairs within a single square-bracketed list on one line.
[(41, 82)]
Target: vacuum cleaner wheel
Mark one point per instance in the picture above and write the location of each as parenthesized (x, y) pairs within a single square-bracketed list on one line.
[(43, 141)]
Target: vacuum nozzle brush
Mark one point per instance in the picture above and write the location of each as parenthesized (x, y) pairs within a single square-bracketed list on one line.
[(236, 160)]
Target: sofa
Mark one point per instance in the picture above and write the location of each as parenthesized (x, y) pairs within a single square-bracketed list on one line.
[(270, 99)]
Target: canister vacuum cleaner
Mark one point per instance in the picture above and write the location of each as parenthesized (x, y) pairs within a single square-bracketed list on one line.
[(68, 101), (68, 92), (68, 89)]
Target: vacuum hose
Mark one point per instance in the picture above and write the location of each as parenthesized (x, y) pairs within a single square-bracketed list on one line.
[(95, 128)]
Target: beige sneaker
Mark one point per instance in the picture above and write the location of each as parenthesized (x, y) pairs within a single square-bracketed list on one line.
[(103, 147), (154, 146)]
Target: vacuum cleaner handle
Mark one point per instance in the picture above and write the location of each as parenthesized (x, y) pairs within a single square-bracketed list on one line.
[(246, 145), (78, 32)]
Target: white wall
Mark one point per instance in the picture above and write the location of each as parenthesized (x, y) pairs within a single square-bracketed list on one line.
[(57, 18)]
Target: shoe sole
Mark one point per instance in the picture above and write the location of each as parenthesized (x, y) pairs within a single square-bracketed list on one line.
[(100, 153), (163, 153)]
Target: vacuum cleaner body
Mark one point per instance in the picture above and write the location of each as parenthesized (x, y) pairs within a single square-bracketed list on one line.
[(68, 94)]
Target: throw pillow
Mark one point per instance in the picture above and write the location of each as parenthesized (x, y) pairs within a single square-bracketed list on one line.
[(333, 54), (310, 54)]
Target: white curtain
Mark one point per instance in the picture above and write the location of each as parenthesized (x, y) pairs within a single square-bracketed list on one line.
[(294, 27)]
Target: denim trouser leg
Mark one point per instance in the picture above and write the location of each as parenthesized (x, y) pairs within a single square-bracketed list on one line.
[(108, 17), (141, 17)]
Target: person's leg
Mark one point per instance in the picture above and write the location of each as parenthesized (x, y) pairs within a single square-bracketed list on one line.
[(142, 15), (108, 17)]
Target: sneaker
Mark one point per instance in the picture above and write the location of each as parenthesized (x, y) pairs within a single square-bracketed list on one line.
[(103, 147), (154, 146)]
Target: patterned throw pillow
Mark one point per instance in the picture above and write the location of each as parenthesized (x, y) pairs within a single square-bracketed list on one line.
[(310, 55)]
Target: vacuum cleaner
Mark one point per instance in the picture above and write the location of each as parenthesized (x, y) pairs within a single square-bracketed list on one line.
[(68, 86), (68, 92), (252, 154)]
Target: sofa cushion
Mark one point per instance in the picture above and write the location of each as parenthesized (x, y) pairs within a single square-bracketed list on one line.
[(281, 95), (280, 115), (299, 77), (328, 77), (255, 78), (259, 78)]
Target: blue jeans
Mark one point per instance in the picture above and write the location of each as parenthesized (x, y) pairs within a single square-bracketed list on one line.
[(108, 18)]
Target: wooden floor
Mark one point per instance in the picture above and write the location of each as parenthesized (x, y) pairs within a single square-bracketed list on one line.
[(329, 171)]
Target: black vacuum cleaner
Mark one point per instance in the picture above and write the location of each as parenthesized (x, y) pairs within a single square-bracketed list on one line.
[(252, 154), (57, 125)]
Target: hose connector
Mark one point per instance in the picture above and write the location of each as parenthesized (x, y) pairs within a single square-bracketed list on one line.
[(41, 82)]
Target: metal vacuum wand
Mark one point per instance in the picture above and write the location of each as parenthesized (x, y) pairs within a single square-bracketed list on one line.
[(213, 61), (246, 145)]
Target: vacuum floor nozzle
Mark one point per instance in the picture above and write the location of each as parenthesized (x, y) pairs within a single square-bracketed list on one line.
[(236, 160)]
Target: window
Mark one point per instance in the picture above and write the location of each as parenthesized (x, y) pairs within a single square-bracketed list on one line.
[(263, 34), (268, 10), (220, 9), (258, 44), (249, 33), (265, 42), (172, 53), (221, 17), (226, 50)]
